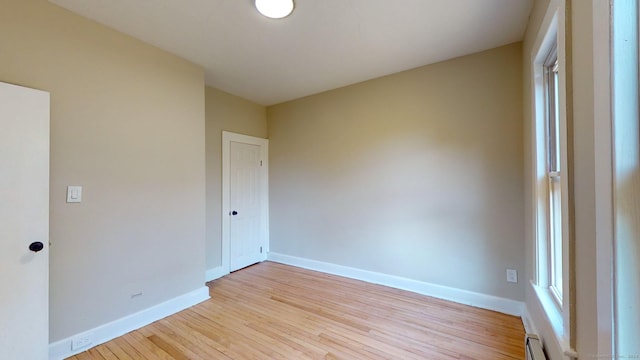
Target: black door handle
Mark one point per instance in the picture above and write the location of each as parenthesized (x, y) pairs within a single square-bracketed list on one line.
[(234, 213), (36, 246)]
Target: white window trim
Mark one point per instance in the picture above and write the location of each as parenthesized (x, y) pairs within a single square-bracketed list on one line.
[(559, 320), (624, 115), (551, 35), (604, 167)]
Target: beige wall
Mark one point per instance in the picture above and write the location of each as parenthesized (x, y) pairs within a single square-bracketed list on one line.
[(229, 113), (127, 123), (417, 174)]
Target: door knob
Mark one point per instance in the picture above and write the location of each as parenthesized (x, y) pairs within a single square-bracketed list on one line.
[(234, 213), (36, 246)]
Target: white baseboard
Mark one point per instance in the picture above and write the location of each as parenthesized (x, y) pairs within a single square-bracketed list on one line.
[(103, 333), (503, 305), (215, 273), (527, 321)]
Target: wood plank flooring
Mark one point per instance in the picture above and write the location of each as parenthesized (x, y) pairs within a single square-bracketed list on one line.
[(274, 311)]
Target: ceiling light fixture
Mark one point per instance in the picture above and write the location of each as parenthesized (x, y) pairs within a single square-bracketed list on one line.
[(275, 9)]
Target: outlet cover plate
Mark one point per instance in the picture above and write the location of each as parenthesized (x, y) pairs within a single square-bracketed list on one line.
[(81, 341)]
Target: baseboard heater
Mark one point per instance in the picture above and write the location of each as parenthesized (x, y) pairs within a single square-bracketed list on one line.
[(533, 348)]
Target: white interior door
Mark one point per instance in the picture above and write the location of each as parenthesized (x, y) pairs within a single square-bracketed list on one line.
[(244, 200), (24, 223)]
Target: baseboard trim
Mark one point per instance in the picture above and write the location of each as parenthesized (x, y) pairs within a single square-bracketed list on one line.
[(489, 302), (527, 321), (215, 273), (103, 333)]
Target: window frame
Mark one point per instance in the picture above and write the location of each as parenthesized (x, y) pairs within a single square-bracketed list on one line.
[(556, 308), (553, 161), (557, 26)]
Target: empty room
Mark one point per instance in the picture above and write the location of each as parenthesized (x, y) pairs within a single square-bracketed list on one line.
[(319, 179)]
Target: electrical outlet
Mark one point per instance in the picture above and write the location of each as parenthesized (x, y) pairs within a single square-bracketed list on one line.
[(81, 341), (512, 276)]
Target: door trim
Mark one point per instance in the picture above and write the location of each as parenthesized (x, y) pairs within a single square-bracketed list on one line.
[(227, 138)]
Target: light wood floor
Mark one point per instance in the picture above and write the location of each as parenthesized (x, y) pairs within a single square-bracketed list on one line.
[(273, 311)]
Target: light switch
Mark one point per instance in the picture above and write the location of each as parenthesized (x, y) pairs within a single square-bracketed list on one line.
[(74, 194)]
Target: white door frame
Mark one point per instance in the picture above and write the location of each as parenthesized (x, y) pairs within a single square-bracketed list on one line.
[(227, 138)]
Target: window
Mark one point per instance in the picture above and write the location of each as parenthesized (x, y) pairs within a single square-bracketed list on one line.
[(550, 183), (553, 176)]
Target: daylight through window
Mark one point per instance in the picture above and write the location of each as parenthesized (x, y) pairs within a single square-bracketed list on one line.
[(553, 172)]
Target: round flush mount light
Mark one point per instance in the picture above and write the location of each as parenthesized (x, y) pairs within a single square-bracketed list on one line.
[(275, 9)]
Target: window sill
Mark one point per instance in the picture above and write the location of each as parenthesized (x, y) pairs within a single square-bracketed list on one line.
[(552, 311)]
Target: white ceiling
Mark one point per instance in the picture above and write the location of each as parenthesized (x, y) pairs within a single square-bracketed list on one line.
[(323, 45)]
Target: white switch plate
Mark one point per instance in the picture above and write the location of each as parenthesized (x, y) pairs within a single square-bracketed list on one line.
[(74, 194), (512, 276)]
